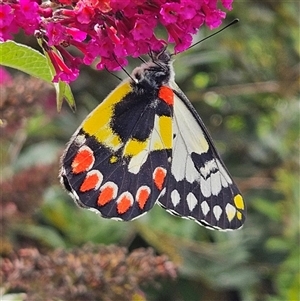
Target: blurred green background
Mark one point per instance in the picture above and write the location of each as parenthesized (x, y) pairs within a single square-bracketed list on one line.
[(245, 85)]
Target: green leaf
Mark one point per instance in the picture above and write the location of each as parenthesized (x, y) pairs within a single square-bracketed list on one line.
[(63, 91), (69, 97), (32, 62), (25, 59)]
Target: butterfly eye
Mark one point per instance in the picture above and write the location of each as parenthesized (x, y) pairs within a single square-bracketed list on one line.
[(164, 57), (137, 76)]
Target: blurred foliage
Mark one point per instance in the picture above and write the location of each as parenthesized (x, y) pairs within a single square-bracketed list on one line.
[(245, 85)]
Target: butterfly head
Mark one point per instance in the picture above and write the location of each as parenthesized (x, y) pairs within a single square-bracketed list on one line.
[(156, 72)]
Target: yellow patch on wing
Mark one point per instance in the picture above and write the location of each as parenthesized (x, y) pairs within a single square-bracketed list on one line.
[(162, 133), (159, 139), (134, 146), (97, 123), (238, 201), (113, 159), (165, 128), (239, 215)]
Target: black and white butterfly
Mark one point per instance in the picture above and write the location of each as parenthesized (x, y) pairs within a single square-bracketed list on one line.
[(146, 144)]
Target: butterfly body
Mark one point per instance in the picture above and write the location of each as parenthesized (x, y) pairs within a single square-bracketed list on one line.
[(146, 144)]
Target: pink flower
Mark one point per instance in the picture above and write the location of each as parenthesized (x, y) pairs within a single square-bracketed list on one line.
[(27, 16), (110, 64), (8, 27), (169, 14), (142, 29), (55, 33), (63, 72), (59, 34), (110, 30), (6, 15), (227, 4)]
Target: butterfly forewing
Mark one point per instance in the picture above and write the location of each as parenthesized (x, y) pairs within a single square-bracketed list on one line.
[(117, 161)]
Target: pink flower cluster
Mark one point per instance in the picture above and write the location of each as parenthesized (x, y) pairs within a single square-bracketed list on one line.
[(107, 29)]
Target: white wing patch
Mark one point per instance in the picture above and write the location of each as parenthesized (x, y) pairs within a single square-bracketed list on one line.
[(175, 197), (189, 138), (205, 185), (137, 161), (230, 211), (205, 208), (154, 142), (217, 210), (191, 201), (215, 183)]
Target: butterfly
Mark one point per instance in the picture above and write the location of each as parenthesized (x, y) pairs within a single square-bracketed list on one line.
[(146, 144)]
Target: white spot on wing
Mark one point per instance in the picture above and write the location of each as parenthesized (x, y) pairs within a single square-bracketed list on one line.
[(191, 201), (79, 140), (205, 185), (205, 208), (230, 211), (175, 197), (217, 210), (137, 161), (215, 183)]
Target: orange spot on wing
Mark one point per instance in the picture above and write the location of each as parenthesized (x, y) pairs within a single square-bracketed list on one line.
[(124, 203), (142, 196), (159, 176), (92, 181), (106, 195), (166, 94), (83, 160)]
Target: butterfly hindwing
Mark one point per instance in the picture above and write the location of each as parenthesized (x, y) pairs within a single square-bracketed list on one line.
[(117, 162), (199, 186)]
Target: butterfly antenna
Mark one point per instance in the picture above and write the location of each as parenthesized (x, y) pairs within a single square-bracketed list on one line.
[(127, 73), (116, 76), (213, 34), (142, 60)]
